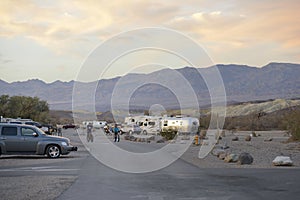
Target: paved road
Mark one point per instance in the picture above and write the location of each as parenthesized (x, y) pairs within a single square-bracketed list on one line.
[(81, 176)]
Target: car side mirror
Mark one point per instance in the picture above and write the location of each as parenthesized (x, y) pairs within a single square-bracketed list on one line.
[(35, 134)]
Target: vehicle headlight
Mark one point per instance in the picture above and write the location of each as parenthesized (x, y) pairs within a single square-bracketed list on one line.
[(64, 143)]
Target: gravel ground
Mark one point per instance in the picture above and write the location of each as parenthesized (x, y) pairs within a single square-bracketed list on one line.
[(34, 187), (263, 152)]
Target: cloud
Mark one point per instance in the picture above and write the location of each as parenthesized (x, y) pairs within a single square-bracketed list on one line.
[(77, 26)]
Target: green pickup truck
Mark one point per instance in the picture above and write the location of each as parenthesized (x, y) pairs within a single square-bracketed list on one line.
[(26, 139)]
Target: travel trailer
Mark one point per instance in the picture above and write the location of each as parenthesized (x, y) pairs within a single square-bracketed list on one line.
[(155, 124), (148, 124), (181, 124)]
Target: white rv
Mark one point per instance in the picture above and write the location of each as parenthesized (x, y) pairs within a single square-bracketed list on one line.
[(181, 124), (155, 124), (148, 124)]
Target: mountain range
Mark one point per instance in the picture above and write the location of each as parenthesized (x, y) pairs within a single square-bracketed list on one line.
[(166, 87)]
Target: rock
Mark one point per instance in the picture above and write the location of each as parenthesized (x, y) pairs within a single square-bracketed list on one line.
[(231, 158), (160, 141), (253, 134), (217, 152), (222, 156), (126, 137), (248, 138), (268, 139), (236, 138), (245, 158), (225, 146), (282, 161)]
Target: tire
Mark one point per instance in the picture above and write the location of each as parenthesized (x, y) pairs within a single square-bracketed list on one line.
[(53, 151)]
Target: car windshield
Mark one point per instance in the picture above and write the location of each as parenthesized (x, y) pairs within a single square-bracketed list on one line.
[(40, 131)]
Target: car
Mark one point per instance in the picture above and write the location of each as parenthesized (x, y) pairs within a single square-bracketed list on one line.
[(66, 126), (26, 139), (32, 123), (131, 129)]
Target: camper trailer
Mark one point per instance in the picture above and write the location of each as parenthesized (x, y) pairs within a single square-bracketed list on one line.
[(181, 124), (155, 124), (148, 124)]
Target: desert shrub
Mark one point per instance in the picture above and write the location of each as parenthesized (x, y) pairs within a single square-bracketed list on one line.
[(293, 124), (169, 134)]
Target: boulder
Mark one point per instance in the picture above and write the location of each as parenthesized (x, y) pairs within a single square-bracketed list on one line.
[(222, 156), (160, 141), (231, 158), (282, 161), (126, 137), (225, 146), (245, 159), (268, 139), (253, 134), (236, 138), (217, 152), (248, 138)]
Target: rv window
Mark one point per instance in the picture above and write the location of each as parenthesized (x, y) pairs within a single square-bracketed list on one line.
[(132, 120), (151, 123), (145, 124), (165, 123)]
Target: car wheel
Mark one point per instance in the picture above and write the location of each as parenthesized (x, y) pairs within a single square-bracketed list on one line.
[(53, 151)]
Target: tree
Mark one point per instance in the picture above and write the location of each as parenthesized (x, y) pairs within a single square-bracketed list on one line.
[(24, 107)]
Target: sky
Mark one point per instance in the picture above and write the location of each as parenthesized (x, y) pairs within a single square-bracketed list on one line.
[(52, 40)]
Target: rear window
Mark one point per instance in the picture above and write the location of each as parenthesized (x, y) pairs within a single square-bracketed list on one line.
[(10, 131)]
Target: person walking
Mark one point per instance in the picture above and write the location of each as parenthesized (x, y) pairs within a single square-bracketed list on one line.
[(116, 133), (89, 136)]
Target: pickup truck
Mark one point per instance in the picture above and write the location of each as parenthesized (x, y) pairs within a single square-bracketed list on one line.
[(27, 139)]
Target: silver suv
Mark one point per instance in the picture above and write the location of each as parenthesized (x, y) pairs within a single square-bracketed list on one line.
[(26, 139)]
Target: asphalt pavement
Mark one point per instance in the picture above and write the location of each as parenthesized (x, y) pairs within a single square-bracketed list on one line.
[(81, 176)]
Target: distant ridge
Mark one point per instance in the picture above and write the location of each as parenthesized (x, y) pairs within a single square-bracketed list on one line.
[(242, 84)]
